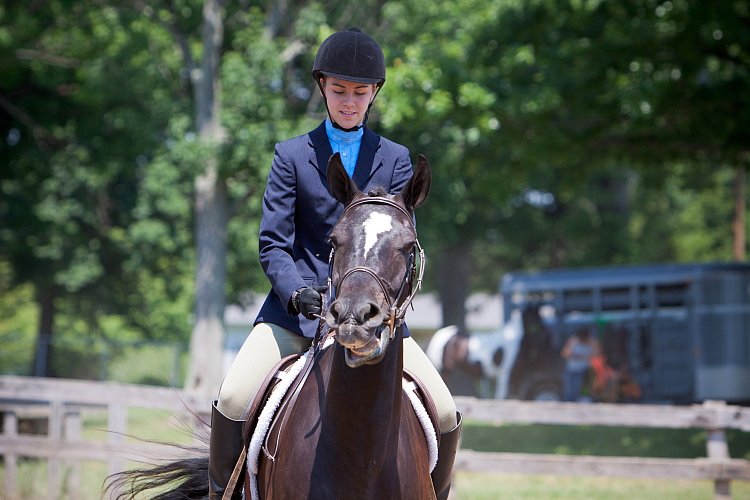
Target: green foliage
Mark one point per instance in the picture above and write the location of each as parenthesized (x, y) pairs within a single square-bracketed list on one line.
[(705, 219), (80, 140), (18, 315), (149, 363), (593, 104), (560, 134)]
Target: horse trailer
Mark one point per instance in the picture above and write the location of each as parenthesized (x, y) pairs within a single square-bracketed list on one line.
[(679, 332)]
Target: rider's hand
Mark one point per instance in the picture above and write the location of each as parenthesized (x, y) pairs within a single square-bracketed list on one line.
[(308, 301)]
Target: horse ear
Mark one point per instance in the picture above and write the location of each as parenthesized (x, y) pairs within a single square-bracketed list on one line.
[(416, 190), (340, 184)]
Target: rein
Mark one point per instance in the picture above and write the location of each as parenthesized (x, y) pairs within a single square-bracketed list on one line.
[(397, 305)]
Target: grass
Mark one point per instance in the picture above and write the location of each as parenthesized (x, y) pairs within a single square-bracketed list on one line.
[(468, 486), (570, 440), (143, 423), (471, 486), (596, 440)]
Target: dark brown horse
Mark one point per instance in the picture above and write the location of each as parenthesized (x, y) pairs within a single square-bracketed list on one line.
[(350, 431)]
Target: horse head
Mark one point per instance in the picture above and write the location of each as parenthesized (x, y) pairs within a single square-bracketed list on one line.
[(374, 261)]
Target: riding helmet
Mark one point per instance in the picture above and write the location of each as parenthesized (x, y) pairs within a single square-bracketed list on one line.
[(350, 55)]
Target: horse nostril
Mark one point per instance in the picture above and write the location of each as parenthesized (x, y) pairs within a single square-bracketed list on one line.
[(367, 311), (336, 310)]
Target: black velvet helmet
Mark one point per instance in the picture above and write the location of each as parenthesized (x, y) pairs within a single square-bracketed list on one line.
[(350, 55)]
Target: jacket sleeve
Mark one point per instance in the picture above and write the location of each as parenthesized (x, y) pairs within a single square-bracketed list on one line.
[(276, 235)]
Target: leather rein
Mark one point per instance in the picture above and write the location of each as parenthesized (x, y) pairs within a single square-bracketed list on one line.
[(396, 306)]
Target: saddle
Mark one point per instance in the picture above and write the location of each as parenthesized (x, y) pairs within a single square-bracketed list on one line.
[(250, 416), (274, 377)]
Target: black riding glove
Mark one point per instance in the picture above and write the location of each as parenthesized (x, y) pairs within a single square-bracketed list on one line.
[(308, 301)]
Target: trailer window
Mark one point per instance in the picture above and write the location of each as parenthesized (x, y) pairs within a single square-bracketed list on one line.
[(672, 295)]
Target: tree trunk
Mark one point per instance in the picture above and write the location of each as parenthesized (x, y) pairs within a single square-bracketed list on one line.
[(211, 215), (44, 347), (454, 268), (738, 228), (206, 342)]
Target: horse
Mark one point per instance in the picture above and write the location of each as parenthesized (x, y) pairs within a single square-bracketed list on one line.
[(349, 430), (509, 357), (465, 359)]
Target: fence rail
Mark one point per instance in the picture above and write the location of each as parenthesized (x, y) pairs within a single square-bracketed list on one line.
[(61, 404), (713, 416)]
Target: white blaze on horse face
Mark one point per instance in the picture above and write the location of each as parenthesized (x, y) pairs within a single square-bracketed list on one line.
[(375, 225)]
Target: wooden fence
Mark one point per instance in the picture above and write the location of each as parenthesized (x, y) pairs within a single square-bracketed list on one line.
[(62, 403), (59, 405), (713, 416)]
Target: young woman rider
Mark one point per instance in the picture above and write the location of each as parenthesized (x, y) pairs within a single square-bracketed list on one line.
[(298, 214)]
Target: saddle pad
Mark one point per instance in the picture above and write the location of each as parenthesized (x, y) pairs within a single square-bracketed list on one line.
[(410, 388)]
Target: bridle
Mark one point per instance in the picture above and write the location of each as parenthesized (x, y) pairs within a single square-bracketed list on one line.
[(403, 298)]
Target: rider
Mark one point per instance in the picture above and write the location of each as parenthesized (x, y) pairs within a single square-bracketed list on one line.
[(298, 214)]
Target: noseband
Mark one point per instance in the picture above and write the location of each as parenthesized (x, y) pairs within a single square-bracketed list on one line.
[(397, 304)]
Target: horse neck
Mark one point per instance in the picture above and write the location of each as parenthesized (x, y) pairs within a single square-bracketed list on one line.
[(367, 398)]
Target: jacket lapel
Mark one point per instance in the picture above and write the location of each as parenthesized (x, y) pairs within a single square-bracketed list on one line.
[(368, 160), (322, 148)]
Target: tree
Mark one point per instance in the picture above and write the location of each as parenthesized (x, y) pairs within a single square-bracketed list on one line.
[(269, 47), (560, 101), (71, 151), (138, 137)]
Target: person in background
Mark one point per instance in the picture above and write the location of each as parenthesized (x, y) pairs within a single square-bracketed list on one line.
[(298, 215), (578, 351)]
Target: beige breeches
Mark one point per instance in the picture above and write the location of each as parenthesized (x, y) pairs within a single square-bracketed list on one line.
[(268, 343)]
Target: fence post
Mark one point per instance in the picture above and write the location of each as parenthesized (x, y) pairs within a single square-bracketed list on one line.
[(54, 435), (10, 459), (717, 449), (117, 426), (73, 425)]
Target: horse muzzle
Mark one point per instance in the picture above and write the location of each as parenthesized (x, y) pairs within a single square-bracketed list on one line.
[(364, 346)]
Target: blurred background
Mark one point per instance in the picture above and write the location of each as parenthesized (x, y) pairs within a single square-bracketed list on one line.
[(136, 138)]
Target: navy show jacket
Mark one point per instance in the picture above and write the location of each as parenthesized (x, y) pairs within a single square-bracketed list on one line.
[(299, 213)]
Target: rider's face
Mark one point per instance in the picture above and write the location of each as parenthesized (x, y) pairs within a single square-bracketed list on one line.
[(347, 101)]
